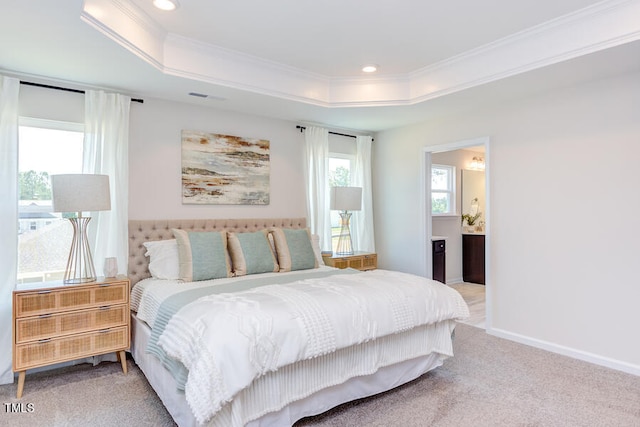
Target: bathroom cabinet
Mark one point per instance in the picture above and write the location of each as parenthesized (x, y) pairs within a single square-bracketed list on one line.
[(473, 258), (438, 250)]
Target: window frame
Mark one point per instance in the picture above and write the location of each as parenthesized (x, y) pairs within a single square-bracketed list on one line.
[(334, 215), (26, 224), (451, 190)]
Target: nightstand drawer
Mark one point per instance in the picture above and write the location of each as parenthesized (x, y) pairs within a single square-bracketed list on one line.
[(49, 301), (56, 350), (359, 261), (355, 263), (339, 263), (47, 325), (370, 262)]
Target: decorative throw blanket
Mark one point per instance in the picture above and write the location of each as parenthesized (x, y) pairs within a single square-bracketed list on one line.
[(163, 300), (226, 341)]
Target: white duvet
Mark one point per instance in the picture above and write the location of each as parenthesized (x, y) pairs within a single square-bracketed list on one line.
[(228, 340)]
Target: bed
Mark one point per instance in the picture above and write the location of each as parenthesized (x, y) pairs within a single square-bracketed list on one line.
[(264, 341)]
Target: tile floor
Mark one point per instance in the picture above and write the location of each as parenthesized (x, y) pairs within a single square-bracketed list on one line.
[(474, 296)]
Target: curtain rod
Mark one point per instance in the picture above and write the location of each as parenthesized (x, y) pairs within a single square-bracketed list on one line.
[(302, 128), (66, 89)]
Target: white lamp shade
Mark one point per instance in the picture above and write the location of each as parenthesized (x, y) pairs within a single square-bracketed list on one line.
[(346, 199), (80, 193)]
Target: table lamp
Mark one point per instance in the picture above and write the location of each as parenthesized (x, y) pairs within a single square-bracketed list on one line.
[(345, 199), (80, 193)]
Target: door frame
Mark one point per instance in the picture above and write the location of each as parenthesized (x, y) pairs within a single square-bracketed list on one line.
[(425, 206)]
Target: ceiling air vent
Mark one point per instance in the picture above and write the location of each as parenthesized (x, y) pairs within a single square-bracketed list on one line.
[(205, 96)]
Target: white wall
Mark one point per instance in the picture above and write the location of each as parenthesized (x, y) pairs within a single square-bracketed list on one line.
[(155, 156), (564, 177), (51, 104), (155, 166)]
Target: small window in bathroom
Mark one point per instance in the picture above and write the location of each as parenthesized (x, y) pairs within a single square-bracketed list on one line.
[(443, 189)]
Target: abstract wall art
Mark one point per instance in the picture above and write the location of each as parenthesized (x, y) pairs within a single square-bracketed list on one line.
[(224, 169)]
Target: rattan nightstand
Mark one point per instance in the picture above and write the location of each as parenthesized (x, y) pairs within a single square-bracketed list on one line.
[(54, 322), (359, 260)]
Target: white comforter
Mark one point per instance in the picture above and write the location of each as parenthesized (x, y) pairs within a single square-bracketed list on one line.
[(228, 340)]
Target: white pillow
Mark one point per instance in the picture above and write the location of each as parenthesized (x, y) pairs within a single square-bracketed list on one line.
[(163, 259)]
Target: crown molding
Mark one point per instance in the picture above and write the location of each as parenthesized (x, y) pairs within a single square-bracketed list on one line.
[(129, 26), (603, 25)]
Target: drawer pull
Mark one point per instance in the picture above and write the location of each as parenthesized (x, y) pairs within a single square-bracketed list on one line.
[(105, 307), (44, 316), (103, 331), (104, 285), (44, 341), (44, 292)]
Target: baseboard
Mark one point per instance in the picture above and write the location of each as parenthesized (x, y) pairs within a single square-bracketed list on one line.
[(567, 351)]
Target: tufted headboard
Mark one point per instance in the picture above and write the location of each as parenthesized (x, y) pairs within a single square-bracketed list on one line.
[(141, 231)]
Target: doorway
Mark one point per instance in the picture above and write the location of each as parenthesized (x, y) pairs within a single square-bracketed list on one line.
[(466, 155)]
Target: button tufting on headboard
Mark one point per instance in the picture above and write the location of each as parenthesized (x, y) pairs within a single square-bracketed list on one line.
[(141, 231)]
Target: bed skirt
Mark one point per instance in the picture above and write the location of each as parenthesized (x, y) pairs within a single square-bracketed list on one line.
[(383, 379)]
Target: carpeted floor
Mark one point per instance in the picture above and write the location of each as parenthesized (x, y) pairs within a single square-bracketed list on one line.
[(489, 382)]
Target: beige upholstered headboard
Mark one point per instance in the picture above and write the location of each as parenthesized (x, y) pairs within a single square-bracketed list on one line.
[(141, 231)]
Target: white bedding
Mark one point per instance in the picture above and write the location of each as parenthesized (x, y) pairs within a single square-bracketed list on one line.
[(229, 341), (148, 294), (261, 406)]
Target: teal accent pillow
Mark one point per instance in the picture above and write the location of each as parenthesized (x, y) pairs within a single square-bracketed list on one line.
[(251, 253), (294, 249), (202, 255)]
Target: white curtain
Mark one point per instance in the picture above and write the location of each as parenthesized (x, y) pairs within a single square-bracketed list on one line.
[(317, 177), (362, 224), (106, 147), (9, 90)]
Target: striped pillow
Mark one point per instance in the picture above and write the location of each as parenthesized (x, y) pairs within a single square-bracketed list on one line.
[(202, 255), (251, 253), (294, 249)]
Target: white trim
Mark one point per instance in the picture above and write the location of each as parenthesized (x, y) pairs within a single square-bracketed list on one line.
[(425, 228), (567, 351), (343, 156), (35, 122), (601, 26)]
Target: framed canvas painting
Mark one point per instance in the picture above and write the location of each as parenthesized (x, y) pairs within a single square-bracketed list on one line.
[(224, 169)]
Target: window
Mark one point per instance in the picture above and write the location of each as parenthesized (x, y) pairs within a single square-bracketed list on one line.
[(44, 148), (340, 166), (443, 190)]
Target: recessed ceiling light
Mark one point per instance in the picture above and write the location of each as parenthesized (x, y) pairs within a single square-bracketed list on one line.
[(166, 4), (371, 68)]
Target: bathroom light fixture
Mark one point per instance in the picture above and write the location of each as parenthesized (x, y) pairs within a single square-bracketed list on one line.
[(166, 4), (370, 68), (477, 163)]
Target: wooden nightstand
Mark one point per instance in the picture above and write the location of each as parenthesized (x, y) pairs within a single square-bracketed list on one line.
[(54, 322), (359, 261)]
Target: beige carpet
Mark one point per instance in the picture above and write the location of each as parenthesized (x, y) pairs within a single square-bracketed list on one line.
[(489, 382)]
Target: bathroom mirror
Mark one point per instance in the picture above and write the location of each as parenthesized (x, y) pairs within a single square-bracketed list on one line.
[(473, 187)]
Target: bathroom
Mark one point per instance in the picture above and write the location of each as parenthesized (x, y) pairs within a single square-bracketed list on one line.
[(463, 227)]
